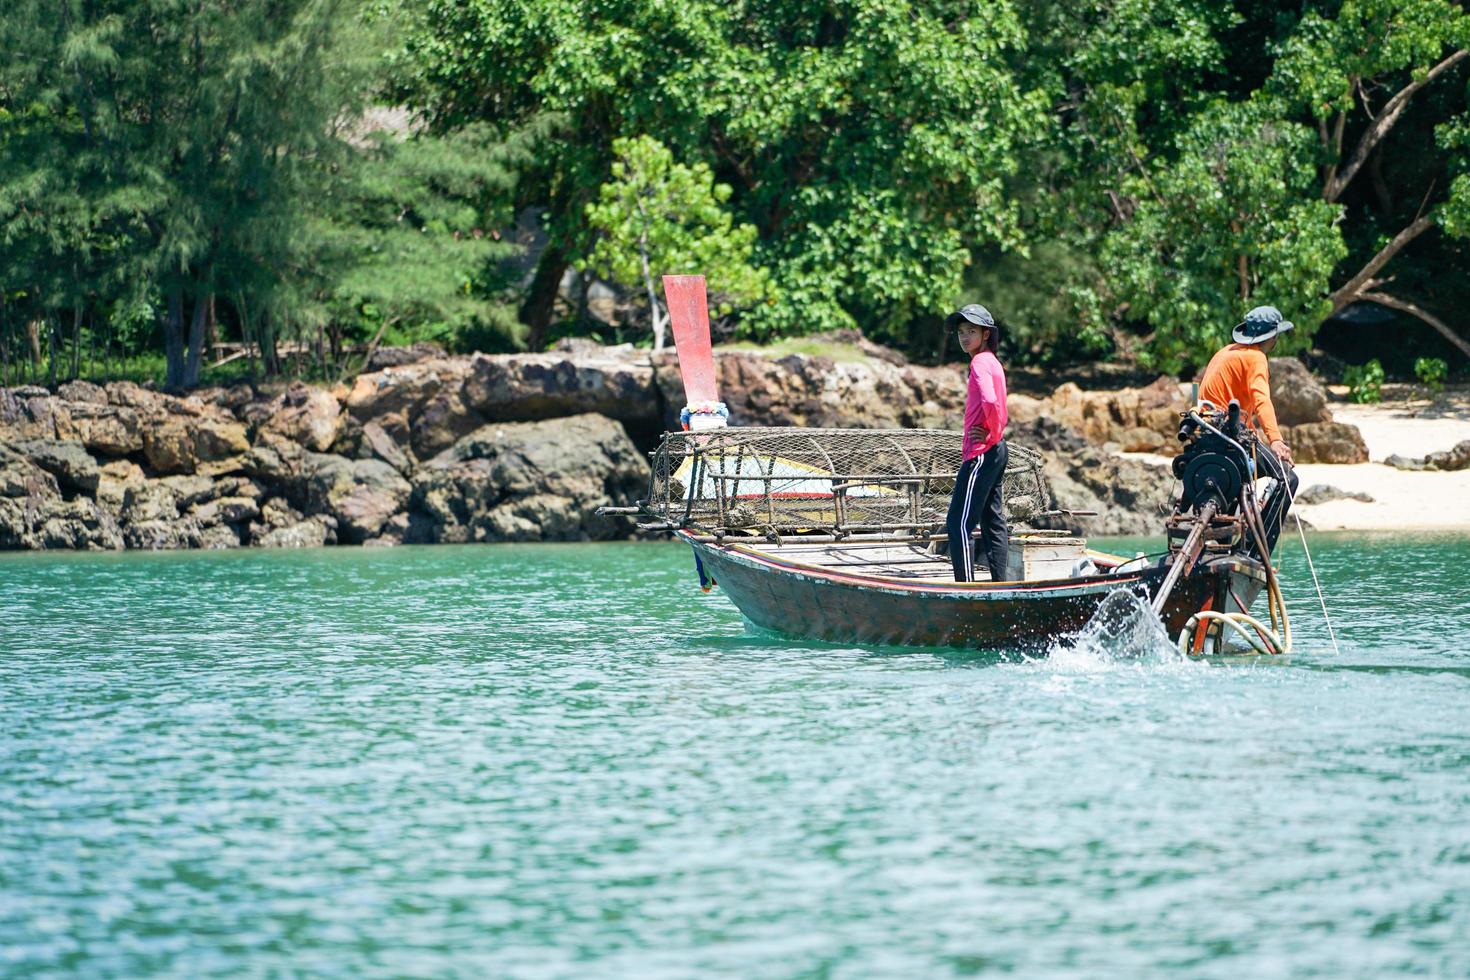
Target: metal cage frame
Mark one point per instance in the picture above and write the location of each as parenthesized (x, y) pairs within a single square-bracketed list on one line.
[(773, 481)]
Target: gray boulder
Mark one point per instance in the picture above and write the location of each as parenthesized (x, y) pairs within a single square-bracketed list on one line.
[(1129, 496), (382, 445), (117, 476), (217, 537), (441, 421), (159, 535), (191, 489), (303, 414), (1326, 442), (616, 382), (78, 525), (112, 430), (310, 533), (406, 389), (145, 400), (410, 527), (386, 357), (1457, 458), (68, 461), (1297, 396), (21, 478), (225, 510), (183, 443), (30, 412), (149, 502), (1321, 493), (83, 392), (360, 494), (280, 464), (531, 481)]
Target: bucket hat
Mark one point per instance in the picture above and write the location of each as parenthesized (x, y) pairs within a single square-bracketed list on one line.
[(1260, 325), (975, 313)]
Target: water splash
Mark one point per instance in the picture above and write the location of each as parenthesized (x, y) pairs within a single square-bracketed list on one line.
[(1123, 630)]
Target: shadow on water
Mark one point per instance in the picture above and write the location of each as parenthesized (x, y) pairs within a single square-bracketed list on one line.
[(1328, 667), (759, 640)]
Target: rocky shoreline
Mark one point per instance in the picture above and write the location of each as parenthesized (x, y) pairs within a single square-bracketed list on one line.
[(439, 449)]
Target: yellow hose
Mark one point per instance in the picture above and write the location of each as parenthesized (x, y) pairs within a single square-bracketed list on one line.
[(1265, 639)]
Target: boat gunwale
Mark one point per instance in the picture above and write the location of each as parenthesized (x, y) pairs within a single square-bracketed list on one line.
[(1082, 585)]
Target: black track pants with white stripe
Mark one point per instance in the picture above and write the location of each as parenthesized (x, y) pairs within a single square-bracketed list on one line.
[(977, 501)]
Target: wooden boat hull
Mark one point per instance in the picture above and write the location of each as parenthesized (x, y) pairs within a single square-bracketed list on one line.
[(851, 607)]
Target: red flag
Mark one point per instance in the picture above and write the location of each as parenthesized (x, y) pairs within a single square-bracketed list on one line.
[(689, 315)]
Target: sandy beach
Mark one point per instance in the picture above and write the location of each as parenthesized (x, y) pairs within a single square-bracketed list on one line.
[(1402, 499), (1406, 424)]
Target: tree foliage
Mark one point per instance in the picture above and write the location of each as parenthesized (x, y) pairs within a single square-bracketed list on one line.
[(413, 232), (180, 141), (213, 158), (1211, 177), (1116, 178), (869, 143)]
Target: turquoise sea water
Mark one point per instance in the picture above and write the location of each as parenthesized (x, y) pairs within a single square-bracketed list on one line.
[(565, 761)]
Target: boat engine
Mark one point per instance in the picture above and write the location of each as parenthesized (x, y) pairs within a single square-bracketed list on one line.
[(1214, 469), (1213, 465)]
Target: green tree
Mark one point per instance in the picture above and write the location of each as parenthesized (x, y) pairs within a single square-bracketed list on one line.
[(66, 220), (658, 217), (1229, 222), (1356, 76), (181, 144), (412, 232), (1217, 158), (870, 143)]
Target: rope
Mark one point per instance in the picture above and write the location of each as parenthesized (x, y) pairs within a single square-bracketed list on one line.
[(1318, 585), (1311, 566)]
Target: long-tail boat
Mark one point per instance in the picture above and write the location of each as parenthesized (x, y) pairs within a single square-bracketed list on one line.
[(838, 534)]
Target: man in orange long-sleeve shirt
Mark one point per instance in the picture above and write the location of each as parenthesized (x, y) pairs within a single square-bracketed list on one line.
[(1240, 372)]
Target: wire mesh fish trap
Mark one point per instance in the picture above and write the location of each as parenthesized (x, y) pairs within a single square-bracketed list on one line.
[(835, 481)]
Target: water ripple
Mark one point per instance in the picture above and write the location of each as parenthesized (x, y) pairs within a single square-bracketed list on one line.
[(562, 761)]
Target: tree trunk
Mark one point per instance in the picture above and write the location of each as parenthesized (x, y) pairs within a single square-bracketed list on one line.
[(334, 342), (173, 340), (584, 286), (33, 342), (196, 339), (1380, 186), (1380, 125), (654, 310), (54, 346), (1394, 303), (211, 334), (265, 337), (1363, 280), (76, 342), (247, 335), (372, 347), (537, 310), (4, 347)]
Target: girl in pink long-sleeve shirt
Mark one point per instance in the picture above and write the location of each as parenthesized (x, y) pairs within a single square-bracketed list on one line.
[(977, 496)]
